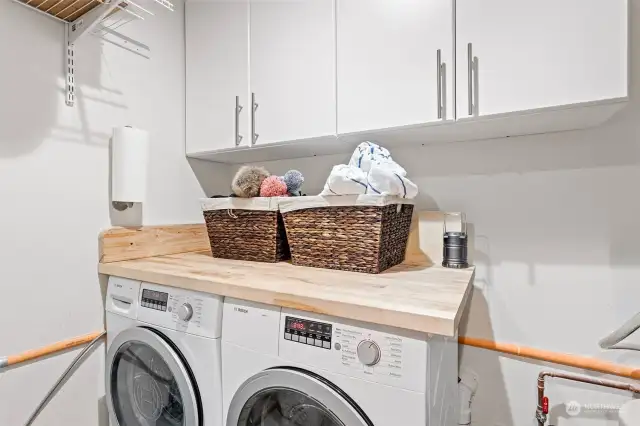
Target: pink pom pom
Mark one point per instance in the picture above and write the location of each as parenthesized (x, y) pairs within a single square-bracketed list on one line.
[(273, 186)]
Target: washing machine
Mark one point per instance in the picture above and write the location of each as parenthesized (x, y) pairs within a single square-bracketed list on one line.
[(163, 364), (284, 367)]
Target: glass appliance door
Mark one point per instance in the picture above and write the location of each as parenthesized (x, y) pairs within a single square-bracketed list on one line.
[(293, 397), (148, 382)]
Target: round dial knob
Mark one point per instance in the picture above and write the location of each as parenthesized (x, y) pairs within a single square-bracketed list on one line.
[(185, 312), (369, 352)]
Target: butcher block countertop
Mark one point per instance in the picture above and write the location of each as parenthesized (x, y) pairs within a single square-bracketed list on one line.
[(417, 295)]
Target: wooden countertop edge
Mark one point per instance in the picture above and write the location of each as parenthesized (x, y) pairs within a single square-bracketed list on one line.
[(465, 299), (407, 320)]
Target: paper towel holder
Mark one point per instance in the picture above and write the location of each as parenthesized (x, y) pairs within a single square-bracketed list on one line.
[(121, 205), (131, 198)]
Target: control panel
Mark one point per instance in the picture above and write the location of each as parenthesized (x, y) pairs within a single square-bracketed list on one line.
[(308, 332), (376, 353), (182, 310)]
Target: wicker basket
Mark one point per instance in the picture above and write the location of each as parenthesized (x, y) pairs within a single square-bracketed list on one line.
[(246, 229), (351, 233)]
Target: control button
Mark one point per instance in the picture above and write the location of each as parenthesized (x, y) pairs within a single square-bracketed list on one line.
[(326, 345), (302, 339), (185, 312), (170, 309), (310, 341), (287, 336), (369, 353), (318, 342), (294, 337), (337, 346)]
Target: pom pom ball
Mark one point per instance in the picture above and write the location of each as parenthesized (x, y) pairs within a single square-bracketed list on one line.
[(273, 186), (248, 180), (294, 180)]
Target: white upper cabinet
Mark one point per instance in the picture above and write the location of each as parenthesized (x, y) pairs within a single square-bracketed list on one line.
[(388, 63), (315, 77), (534, 54), (217, 55), (292, 70)]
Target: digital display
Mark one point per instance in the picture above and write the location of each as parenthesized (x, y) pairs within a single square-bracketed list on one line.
[(296, 325), (158, 296), (308, 332), (154, 300)]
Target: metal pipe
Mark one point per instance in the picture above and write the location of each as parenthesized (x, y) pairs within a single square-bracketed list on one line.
[(569, 360), (541, 415)]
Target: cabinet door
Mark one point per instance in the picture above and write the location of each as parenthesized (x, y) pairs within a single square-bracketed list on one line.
[(543, 53), (293, 69), (387, 62), (217, 56)]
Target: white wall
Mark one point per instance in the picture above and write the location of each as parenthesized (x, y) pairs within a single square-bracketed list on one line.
[(54, 168), (555, 222)]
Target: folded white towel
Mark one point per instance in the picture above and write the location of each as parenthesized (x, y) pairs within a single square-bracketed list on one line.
[(369, 154), (371, 170), (345, 180), (382, 181)]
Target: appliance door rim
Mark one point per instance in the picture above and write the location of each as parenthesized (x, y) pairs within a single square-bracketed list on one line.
[(175, 363), (297, 380)]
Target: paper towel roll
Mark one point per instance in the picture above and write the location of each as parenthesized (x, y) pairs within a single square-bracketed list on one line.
[(130, 155)]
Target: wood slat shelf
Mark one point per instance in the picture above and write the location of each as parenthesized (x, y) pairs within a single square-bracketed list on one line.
[(66, 10)]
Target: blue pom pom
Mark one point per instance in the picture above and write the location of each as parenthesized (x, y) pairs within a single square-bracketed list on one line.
[(294, 181)]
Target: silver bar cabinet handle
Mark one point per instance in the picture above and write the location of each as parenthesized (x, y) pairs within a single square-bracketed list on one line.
[(439, 74), (443, 90), (470, 77), (254, 108), (238, 110)]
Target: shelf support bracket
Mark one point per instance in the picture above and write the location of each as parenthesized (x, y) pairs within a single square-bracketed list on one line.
[(72, 34), (88, 22), (70, 69)]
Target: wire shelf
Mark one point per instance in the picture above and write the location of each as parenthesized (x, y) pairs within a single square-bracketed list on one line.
[(100, 18), (70, 11), (62, 10)]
